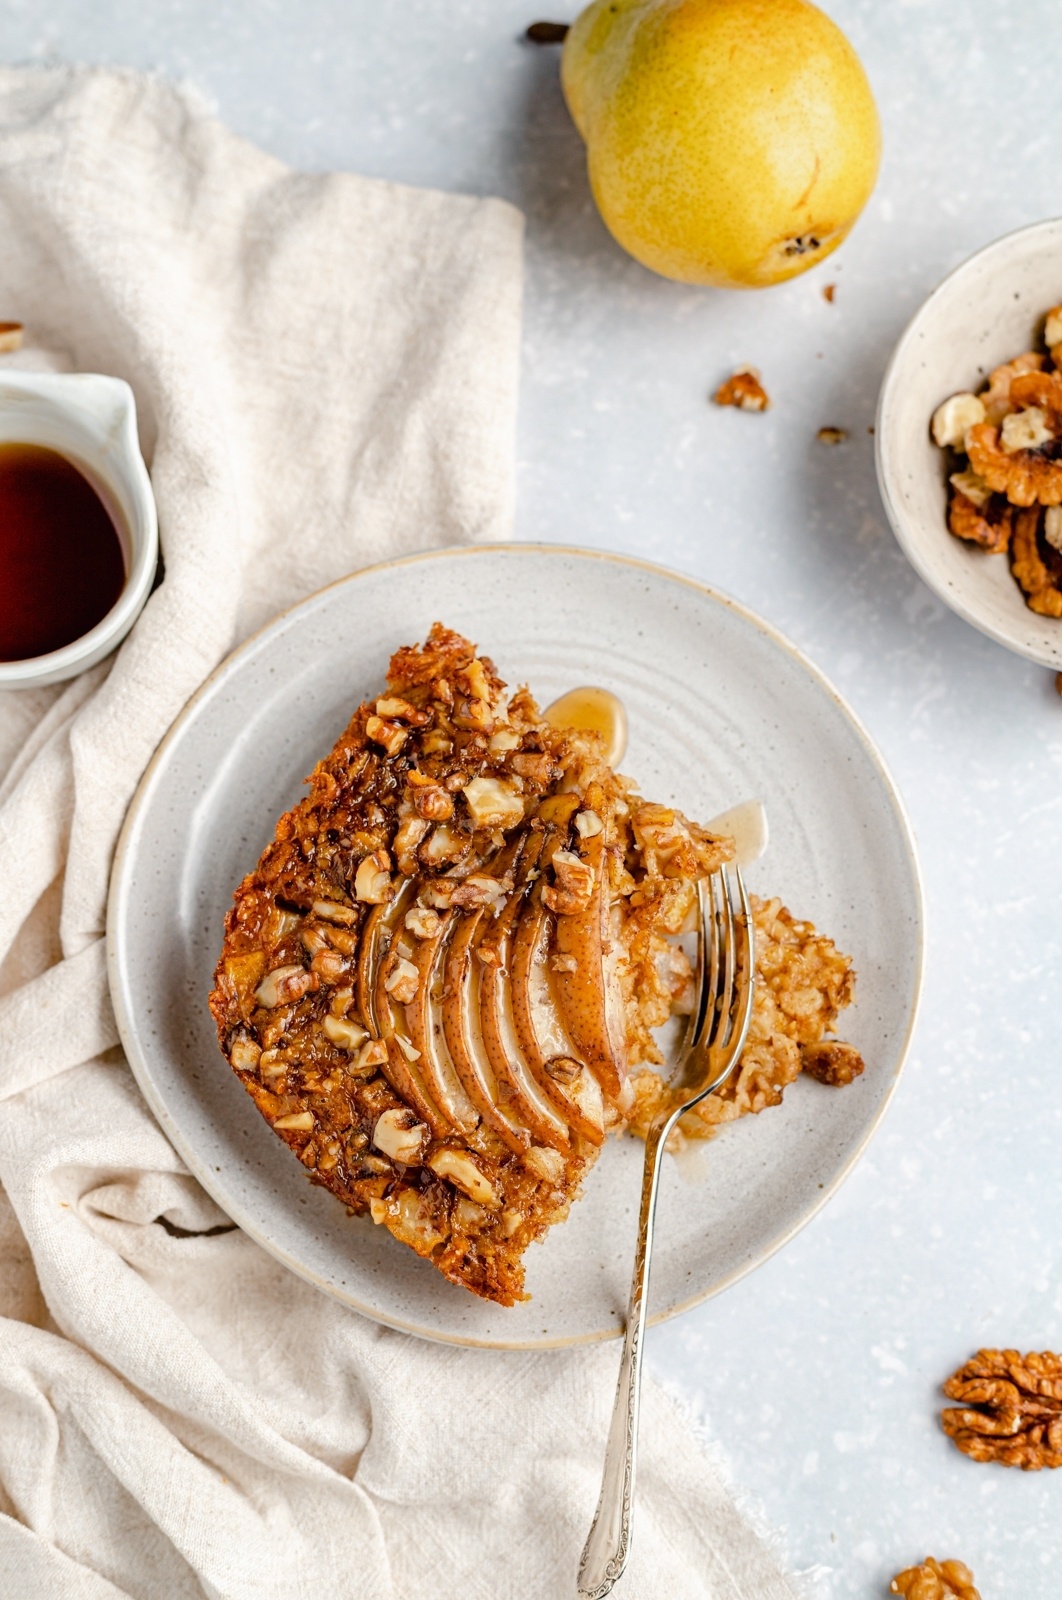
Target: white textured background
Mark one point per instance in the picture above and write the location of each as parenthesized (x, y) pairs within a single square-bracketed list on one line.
[(819, 1374)]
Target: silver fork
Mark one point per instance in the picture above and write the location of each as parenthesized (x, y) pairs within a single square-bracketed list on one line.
[(711, 1049)]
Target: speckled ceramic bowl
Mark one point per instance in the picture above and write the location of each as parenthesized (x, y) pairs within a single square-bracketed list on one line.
[(721, 708), (989, 309)]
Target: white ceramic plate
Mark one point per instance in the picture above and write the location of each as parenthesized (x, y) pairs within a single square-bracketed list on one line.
[(988, 310), (721, 709)]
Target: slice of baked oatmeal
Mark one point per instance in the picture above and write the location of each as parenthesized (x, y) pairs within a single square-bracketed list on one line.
[(438, 976)]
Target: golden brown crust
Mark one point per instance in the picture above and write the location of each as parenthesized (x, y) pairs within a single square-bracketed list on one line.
[(1011, 1408)]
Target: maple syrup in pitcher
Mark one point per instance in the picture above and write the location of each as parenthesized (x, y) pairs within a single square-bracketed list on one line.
[(61, 561)]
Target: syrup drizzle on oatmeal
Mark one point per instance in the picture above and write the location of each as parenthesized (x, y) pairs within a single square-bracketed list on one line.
[(595, 709), (603, 712)]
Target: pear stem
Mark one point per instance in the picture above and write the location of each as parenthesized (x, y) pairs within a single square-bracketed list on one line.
[(547, 32)]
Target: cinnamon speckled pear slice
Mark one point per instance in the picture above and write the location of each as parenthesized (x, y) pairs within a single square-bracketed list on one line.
[(426, 1035), (584, 976), (541, 1035), (460, 1014), (402, 1068), (500, 1038)]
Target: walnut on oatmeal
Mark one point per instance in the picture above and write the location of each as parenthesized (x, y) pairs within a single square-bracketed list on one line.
[(744, 390), (1010, 1408), (1006, 444), (936, 1580)]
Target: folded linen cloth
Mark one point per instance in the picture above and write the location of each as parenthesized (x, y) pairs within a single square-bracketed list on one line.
[(325, 370)]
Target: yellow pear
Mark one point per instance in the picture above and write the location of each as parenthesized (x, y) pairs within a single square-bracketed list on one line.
[(729, 142)]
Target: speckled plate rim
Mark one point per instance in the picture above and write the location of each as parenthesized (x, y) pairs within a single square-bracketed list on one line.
[(1031, 650), (124, 859)]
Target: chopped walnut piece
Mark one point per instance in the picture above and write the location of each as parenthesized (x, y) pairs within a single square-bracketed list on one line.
[(10, 337), (399, 1135), (493, 803), (297, 1122), (347, 1035), (283, 985), (832, 435), (392, 706), (996, 398), (422, 922), (936, 1580), (392, 735), (402, 981), (951, 420), (989, 525), (407, 837), (444, 844), (431, 801), (831, 1062), (573, 884), (1026, 477), (335, 911), (744, 390), (459, 1167), (1053, 330), (1052, 529), (974, 488), (1036, 564), (1025, 430), (244, 1053), (480, 889), (1011, 1408), (372, 881)]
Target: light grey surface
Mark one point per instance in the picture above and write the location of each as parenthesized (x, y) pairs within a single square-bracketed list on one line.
[(819, 1375), (840, 848)]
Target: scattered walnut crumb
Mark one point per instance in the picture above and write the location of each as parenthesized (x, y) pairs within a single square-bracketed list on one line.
[(936, 1580), (829, 292), (10, 337), (744, 390), (832, 1062), (1011, 1408), (832, 435)]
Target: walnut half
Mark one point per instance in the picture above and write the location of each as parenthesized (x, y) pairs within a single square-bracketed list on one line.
[(1011, 1408), (936, 1580)]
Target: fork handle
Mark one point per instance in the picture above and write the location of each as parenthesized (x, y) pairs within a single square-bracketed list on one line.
[(609, 1540)]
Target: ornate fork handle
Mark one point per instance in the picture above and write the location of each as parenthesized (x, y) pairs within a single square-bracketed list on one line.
[(719, 1027), (608, 1542)]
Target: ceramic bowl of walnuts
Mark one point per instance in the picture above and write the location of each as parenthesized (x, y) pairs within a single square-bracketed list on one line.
[(969, 441)]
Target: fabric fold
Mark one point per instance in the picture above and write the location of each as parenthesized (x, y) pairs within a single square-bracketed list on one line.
[(325, 370)]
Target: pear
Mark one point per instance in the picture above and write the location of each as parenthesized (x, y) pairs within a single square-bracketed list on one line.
[(729, 142)]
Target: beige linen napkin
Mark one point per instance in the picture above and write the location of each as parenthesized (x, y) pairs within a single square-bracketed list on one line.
[(325, 369)]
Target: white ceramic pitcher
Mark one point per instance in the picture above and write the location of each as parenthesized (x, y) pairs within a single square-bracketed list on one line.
[(90, 419)]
